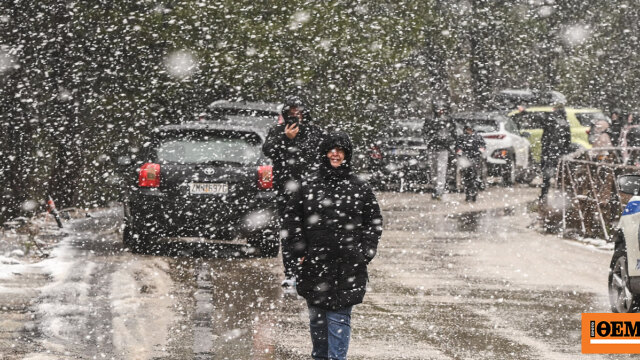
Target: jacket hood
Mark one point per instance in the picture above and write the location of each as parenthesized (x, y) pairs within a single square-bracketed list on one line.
[(295, 101), (342, 141), (337, 139)]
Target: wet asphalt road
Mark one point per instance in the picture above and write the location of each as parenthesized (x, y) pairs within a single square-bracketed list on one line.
[(451, 281)]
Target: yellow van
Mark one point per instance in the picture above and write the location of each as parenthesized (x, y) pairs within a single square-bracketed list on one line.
[(580, 120)]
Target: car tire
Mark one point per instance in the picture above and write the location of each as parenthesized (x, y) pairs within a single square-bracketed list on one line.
[(269, 248), (621, 299), (266, 242), (529, 173), (135, 240), (509, 172)]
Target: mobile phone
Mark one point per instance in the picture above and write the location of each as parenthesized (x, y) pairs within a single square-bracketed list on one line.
[(291, 120)]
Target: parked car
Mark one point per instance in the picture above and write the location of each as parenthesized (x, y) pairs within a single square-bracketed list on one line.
[(507, 152), (400, 155), (533, 118), (624, 270), (204, 179)]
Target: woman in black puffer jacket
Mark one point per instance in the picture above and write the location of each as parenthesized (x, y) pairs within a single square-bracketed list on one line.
[(332, 224)]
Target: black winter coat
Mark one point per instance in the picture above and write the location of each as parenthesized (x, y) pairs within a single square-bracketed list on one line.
[(439, 133), (293, 159), (556, 138), (470, 145), (334, 222)]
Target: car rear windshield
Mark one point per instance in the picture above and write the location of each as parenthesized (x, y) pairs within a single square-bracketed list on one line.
[(481, 126), (208, 149)]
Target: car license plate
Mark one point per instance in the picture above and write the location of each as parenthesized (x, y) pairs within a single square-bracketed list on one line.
[(208, 188)]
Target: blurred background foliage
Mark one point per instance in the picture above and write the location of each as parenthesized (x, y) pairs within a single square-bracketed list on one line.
[(84, 82)]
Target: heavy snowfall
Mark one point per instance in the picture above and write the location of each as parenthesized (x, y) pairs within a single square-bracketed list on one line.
[(146, 212)]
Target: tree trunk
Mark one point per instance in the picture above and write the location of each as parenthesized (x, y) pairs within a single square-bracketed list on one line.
[(480, 53)]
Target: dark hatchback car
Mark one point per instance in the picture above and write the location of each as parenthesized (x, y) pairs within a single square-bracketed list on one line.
[(204, 179), (400, 155)]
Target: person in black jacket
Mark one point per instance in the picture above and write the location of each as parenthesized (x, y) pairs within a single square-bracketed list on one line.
[(472, 146), (615, 129), (332, 225), (556, 142), (293, 148), (439, 135)]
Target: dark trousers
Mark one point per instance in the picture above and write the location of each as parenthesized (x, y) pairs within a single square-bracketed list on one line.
[(549, 170), (470, 179)]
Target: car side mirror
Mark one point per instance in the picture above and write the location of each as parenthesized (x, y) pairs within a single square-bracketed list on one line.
[(124, 160), (525, 134), (629, 184)]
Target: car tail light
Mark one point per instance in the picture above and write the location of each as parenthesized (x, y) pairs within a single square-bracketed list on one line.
[(375, 153), (265, 177), (500, 154), (149, 175), (496, 136)]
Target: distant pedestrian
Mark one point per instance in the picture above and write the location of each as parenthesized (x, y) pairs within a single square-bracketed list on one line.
[(332, 224), (439, 134), (293, 147), (556, 142), (599, 135), (470, 147), (616, 126)]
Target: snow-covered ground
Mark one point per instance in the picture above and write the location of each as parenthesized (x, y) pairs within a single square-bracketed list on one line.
[(451, 280), (80, 305)]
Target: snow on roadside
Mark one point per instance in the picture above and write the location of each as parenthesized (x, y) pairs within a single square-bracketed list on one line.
[(597, 243), (81, 290), (64, 301), (141, 302)]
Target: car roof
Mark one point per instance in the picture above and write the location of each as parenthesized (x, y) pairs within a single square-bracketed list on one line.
[(516, 92), (567, 109), (237, 107), (480, 116), (412, 122), (213, 126)]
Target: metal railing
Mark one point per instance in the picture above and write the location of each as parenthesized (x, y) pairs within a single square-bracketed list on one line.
[(592, 202)]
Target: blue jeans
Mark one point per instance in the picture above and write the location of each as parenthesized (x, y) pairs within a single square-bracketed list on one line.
[(330, 332)]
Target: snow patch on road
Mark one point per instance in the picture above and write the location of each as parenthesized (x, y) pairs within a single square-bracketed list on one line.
[(141, 303), (64, 302)]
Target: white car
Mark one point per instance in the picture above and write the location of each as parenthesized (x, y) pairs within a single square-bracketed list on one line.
[(507, 151), (624, 272)]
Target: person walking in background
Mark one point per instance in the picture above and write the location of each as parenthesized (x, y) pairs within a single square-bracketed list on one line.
[(293, 147), (599, 136), (439, 134), (630, 119), (470, 147), (616, 126), (556, 142), (332, 225)]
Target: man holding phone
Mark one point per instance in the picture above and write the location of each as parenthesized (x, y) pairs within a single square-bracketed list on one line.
[(293, 147)]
